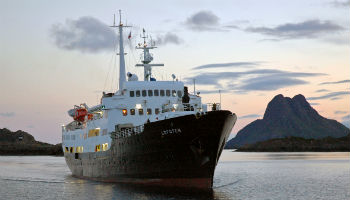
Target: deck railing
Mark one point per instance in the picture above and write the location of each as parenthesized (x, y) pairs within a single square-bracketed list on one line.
[(128, 132)]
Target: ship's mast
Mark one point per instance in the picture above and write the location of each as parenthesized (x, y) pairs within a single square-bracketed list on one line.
[(147, 58), (122, 73)]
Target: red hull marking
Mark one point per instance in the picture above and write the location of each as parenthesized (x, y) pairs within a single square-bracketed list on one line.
[(200, 183)]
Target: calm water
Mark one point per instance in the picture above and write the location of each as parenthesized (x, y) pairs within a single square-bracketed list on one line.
[(237, 176)]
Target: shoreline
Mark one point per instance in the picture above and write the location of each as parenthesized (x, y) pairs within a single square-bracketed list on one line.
[(297, 144)]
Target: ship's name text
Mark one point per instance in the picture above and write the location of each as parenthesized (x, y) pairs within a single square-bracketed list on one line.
[(170, 131)]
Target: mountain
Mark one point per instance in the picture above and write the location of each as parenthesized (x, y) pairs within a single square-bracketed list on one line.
[(22, 143), (286, 117)]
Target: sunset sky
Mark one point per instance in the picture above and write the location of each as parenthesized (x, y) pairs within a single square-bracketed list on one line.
[(57, 54)]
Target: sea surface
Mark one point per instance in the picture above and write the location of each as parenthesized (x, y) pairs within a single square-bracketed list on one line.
[(238, 176)]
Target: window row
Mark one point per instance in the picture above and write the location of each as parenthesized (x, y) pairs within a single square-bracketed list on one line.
[(80, 149), (156, 93), (91, 133), (140, 111), (74, 150)]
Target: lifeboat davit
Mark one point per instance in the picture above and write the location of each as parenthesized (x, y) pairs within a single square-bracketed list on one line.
[(79, 113)]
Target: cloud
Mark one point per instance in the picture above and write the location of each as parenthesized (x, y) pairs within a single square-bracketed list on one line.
[(249, 116), (231, 26), (203, 21), (269, 83), (340, 39), (222, 65), (7, 114), (213, 78), (344, 3), (306, 29), (335, 98), (273, 81), (169, 38), (212, 91), (314, 104), (335, 82), (322, 90), (329, 95), (241, 82), (337, 112), (86, 34)]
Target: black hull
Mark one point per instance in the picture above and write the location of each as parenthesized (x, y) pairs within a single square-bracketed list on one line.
[(181, 151)]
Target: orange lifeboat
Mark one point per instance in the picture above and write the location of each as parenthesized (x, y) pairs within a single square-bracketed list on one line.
[(80, 114)]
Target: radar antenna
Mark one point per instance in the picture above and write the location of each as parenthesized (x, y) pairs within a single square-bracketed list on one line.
[(147, 57)]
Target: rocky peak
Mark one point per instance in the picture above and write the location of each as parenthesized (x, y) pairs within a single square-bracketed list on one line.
[(278, 107), (285, 117), (281, 107)]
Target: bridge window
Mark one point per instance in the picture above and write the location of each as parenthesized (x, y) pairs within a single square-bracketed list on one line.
[(150, 93), (104, 147), (156, 93), (162, 93), (156, 111), (132, 93), (173, 93), (79, 149), (168, 93), (149, 111), (97, 148), (144, 93), (125, 112), (138, 93), (94, 132), (140, 111), (132, 111), (179, 93)]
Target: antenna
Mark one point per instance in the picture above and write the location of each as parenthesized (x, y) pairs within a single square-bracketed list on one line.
[(147, 57), (151, 41), (220, 98), (122, 74), (194, 86), (120, 17)]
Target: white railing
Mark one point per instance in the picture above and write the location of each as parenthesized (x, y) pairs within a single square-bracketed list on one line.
[(127, 132), (214, 106)]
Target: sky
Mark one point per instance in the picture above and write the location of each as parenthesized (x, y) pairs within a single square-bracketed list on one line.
[(57, 54)]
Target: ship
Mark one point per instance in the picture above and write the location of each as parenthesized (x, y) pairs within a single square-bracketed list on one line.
[(147, 132)]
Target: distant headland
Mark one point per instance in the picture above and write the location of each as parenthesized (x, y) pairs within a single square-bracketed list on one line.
[(291, 124), (22, 143), (297, 144)]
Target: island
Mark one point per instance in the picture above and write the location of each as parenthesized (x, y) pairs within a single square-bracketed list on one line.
[(23, 143), (298, 144)]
